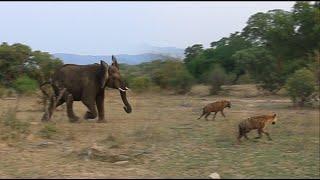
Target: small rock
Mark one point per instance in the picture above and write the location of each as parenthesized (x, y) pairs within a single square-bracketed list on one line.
[(30, 137), (123, 157), (121, 162), (44, 144), (214, 176)]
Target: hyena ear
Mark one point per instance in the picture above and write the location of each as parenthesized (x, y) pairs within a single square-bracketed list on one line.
[(274, 115)]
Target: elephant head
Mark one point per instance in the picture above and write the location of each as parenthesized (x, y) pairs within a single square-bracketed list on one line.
[(114, 81)]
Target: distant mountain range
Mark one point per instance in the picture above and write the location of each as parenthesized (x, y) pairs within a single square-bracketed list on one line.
[(154, 53)]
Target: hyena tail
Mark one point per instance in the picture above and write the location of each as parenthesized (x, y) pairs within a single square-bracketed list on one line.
[(203, 113)]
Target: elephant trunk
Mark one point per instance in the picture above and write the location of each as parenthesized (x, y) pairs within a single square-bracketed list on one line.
[(127, 107)]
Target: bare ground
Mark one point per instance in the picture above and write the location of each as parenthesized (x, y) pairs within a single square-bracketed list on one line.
[(162, 138)]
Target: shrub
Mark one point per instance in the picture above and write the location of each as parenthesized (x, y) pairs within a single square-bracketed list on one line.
[(300, 86), (48, 131), (173, 74), (245, 79), (15, 128), (182, 82), (3, 91), (217, 77), (24, 84), (140, 83)]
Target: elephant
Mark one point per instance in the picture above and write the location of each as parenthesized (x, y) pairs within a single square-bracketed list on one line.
[(85, 83)]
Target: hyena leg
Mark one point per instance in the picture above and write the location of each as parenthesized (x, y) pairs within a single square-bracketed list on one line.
[(259, 133), (239, 135), (268, 135), (222, 113), (203, 113), (214, 116), (245, 135), (207, 115)]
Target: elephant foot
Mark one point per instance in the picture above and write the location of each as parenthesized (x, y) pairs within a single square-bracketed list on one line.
[(89, 115), (74, 119), (101, 121), (45, 118)]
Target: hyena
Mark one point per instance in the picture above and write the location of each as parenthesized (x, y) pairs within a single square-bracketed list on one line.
[(215, 107), (256, 122)]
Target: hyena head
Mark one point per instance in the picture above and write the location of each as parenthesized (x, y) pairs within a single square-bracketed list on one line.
[(227, 104), (274, 119)]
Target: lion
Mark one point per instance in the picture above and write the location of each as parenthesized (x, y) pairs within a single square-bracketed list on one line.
[(215, 107), (256, 122)]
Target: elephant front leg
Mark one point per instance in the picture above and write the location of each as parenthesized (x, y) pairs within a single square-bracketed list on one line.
[(92, 112), (72, 117), (100, 107)]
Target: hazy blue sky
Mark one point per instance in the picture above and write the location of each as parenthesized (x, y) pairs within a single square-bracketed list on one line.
[(101, 28)]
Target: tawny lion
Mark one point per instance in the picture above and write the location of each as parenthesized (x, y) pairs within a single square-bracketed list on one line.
[(256, 122), (215, 107)]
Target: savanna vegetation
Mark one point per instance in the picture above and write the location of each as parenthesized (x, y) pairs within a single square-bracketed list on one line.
[(272, 63)]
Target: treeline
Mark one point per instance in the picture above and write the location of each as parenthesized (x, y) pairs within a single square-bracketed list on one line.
[(22, 69), (277, 49), (170, 74)]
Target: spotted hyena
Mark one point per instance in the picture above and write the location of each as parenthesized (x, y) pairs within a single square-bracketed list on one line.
[(215, 107), (256, 122)]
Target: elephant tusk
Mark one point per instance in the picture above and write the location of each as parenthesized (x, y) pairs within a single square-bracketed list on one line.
[(126, 88), (122, 90)]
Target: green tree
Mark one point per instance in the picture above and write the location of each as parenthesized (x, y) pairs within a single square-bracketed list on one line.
[(41, 66), (300, 86), (12, 61)]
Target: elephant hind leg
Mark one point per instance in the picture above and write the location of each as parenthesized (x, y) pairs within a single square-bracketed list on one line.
[(54, 103), (71, 115)]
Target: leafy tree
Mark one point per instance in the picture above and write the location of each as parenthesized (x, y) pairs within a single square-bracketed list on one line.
[(18, 59), (262, 66), (42, 65), (12, 61), (300, 86)]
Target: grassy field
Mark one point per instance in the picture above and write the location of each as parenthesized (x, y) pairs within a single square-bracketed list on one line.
[(161, 138)]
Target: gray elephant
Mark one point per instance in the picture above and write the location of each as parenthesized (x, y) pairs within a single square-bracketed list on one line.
[(85, 83)]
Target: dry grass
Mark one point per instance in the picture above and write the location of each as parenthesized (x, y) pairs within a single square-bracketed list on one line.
[(163, 138)]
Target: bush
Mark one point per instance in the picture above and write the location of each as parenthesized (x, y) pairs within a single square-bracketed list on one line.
[(140, 83), (300, 86), (245, 79), (15, 128), (173, 75), (3, 91), (182, 82), (25, 85), (48, 131), (217, 77)]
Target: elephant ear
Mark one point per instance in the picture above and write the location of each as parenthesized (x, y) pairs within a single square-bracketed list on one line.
[(103, 73), (115, 62)]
